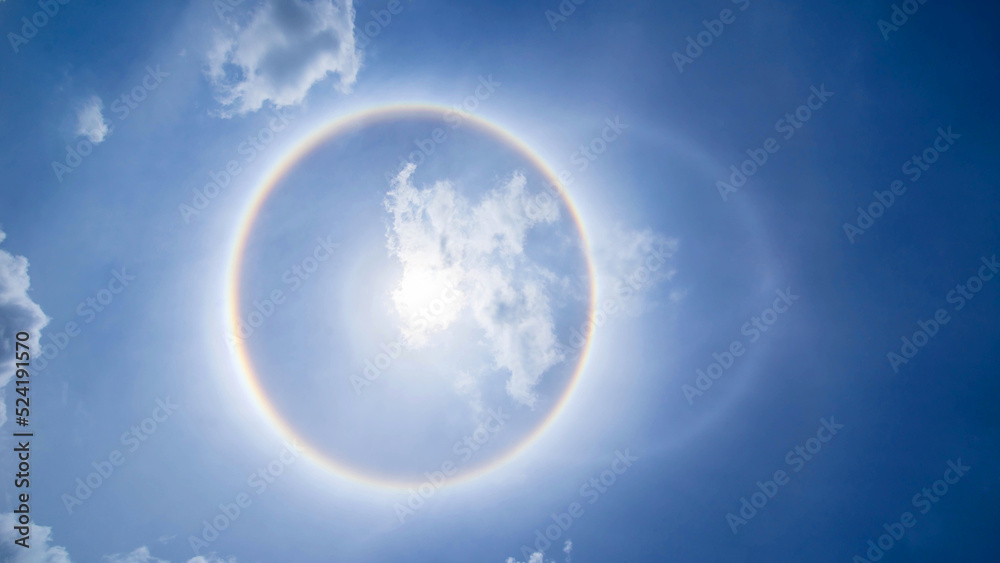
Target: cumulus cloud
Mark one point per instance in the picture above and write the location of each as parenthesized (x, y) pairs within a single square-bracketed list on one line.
[(458, 257), (90, 122), (286, 47), (17, 313), (40, 550)]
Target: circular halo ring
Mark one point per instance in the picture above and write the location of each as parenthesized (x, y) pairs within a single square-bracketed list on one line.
[(247, 217)]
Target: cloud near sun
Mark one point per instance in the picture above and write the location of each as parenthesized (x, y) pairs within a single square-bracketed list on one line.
[(474, 255)]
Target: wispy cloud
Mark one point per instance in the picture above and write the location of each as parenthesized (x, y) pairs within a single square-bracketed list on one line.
[(287, 47), (140, 555), (634, 261), (539, 557), (444, 241), (90, 122)]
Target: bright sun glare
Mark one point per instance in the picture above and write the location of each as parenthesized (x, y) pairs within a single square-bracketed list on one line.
[(426, 301)]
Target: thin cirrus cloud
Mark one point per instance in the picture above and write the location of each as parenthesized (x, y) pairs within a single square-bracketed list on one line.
[(90, 122), (629, 263), (18, 313), (475, 255), (285, 48)]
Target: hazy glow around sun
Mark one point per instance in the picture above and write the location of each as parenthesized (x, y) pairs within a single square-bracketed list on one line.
[(426, 301), (459, 257)]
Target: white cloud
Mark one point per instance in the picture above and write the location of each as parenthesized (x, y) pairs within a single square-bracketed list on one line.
[(539, 557), (140, 555), (457, 257), (211, 559), (90, 122), (285, 48), (39, 551), (630, 262), (17, 313)]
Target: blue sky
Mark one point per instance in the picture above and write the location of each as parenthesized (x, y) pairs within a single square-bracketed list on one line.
[(792, 232)]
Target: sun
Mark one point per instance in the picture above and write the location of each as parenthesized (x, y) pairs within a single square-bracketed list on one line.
[(426, 300), (459, 274)]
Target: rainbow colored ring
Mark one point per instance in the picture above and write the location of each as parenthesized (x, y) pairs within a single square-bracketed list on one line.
[(248, 376)]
